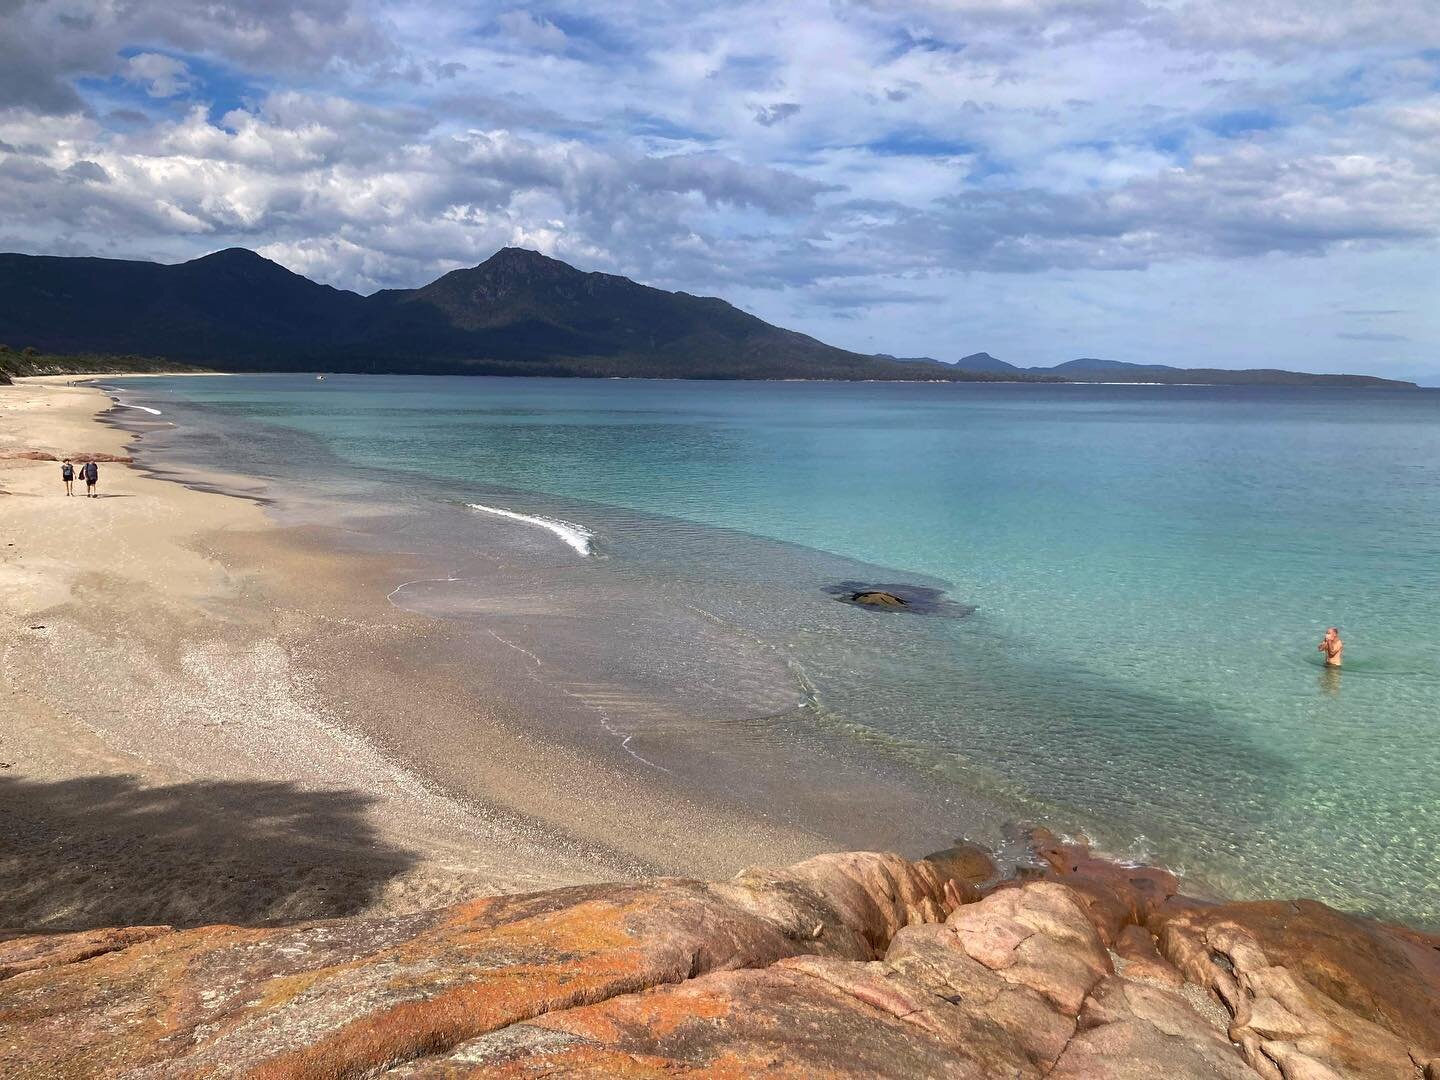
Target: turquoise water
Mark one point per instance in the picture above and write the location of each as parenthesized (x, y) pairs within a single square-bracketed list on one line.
[(1151, 569)]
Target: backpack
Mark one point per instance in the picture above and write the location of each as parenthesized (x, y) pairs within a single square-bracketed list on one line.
[(92, 472)]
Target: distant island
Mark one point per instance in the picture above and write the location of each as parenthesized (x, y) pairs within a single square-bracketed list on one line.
[(1092, 370), (517, 313)]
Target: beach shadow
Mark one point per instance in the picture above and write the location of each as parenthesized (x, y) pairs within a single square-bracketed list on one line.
[(106, 850)]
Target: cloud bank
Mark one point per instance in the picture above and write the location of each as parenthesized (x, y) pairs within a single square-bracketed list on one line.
[(1045, 177)]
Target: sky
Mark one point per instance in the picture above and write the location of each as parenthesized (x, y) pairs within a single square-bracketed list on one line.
[(1224, 183)]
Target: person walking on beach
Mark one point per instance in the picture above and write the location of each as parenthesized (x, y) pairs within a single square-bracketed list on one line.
[(1332, 647), (67, 473), (91, 472)]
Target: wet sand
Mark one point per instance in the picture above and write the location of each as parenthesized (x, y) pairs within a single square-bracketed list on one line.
[(163, 759), (208, 717)]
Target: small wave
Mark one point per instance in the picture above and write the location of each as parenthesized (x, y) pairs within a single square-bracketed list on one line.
[(577, 536), (142, 408)]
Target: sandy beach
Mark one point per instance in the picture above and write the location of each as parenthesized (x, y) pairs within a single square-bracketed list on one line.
[(211, 718)]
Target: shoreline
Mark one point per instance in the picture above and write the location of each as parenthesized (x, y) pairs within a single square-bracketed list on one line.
[(300, 609), (162, 761), (227, 664), (713, 807)]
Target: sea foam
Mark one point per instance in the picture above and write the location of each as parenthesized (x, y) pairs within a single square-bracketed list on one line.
[(577, 536), (142, 408)]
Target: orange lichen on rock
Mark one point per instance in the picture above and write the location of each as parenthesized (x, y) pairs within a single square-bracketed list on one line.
[(356, 995), (854, 965), (31, 953), (928, 1008)]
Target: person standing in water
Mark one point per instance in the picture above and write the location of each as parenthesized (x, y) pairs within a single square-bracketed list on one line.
[(92, 476), (67, 473), (1332, 647)]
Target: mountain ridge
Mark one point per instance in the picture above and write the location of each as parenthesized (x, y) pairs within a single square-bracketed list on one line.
[(1094, 370), (519, 312)]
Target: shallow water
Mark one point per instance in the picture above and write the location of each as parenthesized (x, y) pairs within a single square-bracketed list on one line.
[(1150, 570)]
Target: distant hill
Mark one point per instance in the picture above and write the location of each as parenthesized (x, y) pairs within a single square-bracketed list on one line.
[(1091, 364), (980, 362), (517, 313), (1090, 369)]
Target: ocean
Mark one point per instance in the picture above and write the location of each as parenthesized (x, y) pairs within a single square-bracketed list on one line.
[(1134, 581)]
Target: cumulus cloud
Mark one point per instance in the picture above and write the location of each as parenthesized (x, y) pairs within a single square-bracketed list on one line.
[(1245, 203), (46, 44), (162, 76), (364, 196), (813, 153)]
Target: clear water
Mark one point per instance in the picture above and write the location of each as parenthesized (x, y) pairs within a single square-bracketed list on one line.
[(1151, 569)]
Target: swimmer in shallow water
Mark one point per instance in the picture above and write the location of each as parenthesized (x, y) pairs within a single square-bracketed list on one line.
[(1332, 647)]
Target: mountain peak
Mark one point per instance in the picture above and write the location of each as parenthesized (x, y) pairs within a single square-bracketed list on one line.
[(234, 256), (983, 361), (519, 258)]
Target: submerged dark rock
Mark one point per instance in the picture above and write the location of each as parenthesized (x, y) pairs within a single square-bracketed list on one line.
[(916, 599), (879, 598)]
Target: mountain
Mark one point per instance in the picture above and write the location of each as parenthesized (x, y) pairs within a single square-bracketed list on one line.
[(978, 362), (233, 304), (518, 312), (983, 361), (520, 307)]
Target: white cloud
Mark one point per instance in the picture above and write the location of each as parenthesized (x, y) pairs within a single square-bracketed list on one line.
[(45, 44), (377, 192), (162, 76), (802, 156)]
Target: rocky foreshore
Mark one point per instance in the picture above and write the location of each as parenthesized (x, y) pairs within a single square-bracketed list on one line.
[(847, 965)]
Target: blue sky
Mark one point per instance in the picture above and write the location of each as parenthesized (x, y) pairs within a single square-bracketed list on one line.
[(1228, 182)]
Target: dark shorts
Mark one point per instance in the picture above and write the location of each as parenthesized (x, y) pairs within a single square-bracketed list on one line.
[(91, 483)]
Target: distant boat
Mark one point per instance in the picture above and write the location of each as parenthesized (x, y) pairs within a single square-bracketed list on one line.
[(319, 378)]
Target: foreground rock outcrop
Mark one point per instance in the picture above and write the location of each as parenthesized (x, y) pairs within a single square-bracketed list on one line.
[(854, 965)]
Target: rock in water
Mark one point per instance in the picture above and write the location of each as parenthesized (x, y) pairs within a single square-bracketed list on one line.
[(878, 598), (909, 596)]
